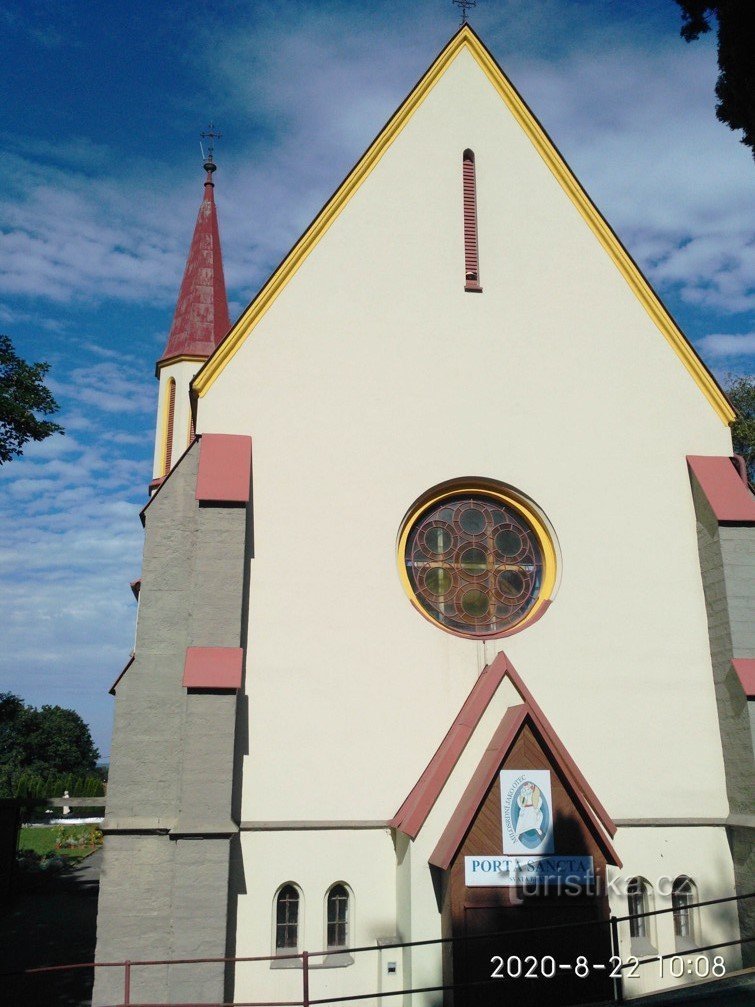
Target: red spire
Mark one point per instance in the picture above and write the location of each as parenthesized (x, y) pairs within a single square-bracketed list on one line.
[(201, 319)]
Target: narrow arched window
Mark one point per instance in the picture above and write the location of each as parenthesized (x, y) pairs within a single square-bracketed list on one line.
[(192, 428), (169, 417), (682, 900), (471, 251), (638, 903), (338, 917), (287, 919)]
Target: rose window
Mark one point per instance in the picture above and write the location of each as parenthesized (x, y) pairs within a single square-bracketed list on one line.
[(474, 564)]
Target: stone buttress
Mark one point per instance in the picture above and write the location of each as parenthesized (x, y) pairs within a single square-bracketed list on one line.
[(725, 511), (170, 815)]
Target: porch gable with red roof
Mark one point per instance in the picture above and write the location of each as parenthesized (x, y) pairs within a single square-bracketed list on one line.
[(413, 813)]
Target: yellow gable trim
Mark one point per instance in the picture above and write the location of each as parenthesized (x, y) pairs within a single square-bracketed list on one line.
[(465, 38)]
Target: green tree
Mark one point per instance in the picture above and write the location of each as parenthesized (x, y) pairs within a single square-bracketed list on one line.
[(735, 87), (741, 392), (42, 745), (23, 395)]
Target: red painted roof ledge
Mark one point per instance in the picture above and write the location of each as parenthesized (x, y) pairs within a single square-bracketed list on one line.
[(508, 730), (412, 814), (225, 468), (745, 669), (726, 491), (213, 668)]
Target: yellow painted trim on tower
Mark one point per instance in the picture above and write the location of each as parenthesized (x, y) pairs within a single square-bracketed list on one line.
[(465, 38), (183, 358)]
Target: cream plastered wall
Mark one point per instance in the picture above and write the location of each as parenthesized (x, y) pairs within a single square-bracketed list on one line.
[(659, 855), (314, 861), (182, 372), (373, 377)]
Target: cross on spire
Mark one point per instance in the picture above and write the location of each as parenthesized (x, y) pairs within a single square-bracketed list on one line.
[(465, 5), (212, 135)]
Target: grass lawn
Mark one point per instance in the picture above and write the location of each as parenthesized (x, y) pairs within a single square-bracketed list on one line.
[(42, 840)]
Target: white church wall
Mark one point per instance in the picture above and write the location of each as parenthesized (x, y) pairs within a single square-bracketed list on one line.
[(314, 860), (660, 855), (373, 377)]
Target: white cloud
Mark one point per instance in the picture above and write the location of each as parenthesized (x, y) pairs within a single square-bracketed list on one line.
[(727, 345), (72, 540), (113, 387), (68, 236), (638, 128), (76, 151)]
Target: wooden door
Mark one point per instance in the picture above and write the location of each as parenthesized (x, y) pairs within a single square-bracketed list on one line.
[(483, 920)]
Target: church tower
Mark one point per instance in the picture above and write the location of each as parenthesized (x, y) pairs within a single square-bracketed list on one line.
[(199, 324)]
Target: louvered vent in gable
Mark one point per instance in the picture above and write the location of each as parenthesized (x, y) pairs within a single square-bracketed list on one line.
[(471, 251)]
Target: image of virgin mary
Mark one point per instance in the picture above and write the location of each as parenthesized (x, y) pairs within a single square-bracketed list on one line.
[(529, 801)]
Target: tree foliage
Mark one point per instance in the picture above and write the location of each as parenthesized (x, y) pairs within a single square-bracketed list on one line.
[(735, 87), (741, 392), (43, 745), (23, 395)]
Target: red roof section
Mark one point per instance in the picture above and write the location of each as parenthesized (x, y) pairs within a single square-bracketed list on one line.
[(505, 736), (413, 813), (411, 816), (201, 319), (745, 669), (225, 468), (725, 490), (213, 668)]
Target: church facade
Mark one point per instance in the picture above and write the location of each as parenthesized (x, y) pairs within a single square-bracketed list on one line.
[(445, 618)]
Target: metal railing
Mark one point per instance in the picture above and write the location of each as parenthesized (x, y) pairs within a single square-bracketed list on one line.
[(305, 958)]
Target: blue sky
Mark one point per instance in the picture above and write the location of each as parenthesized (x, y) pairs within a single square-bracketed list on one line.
[(102, 180)]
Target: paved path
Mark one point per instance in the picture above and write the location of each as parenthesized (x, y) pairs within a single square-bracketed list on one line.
[(52, 924)]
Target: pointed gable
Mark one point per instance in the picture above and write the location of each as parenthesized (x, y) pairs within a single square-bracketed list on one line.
[(201, 318), (466, 42), (414, 811), (518, 727)]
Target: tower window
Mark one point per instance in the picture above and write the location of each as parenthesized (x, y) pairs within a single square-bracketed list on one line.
[(169, 418), (338, 917), (471, 253), (287, 919)]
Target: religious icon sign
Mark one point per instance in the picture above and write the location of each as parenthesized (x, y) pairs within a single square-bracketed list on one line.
[(527, 811)]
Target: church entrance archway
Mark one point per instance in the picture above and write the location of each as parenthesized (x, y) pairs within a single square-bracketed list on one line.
[(563, 954)]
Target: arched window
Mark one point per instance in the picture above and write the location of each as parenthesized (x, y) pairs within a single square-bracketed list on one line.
[(682, 899), (638, 903), (338, 917), (471, 253), (287, 919), (169, 416)]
